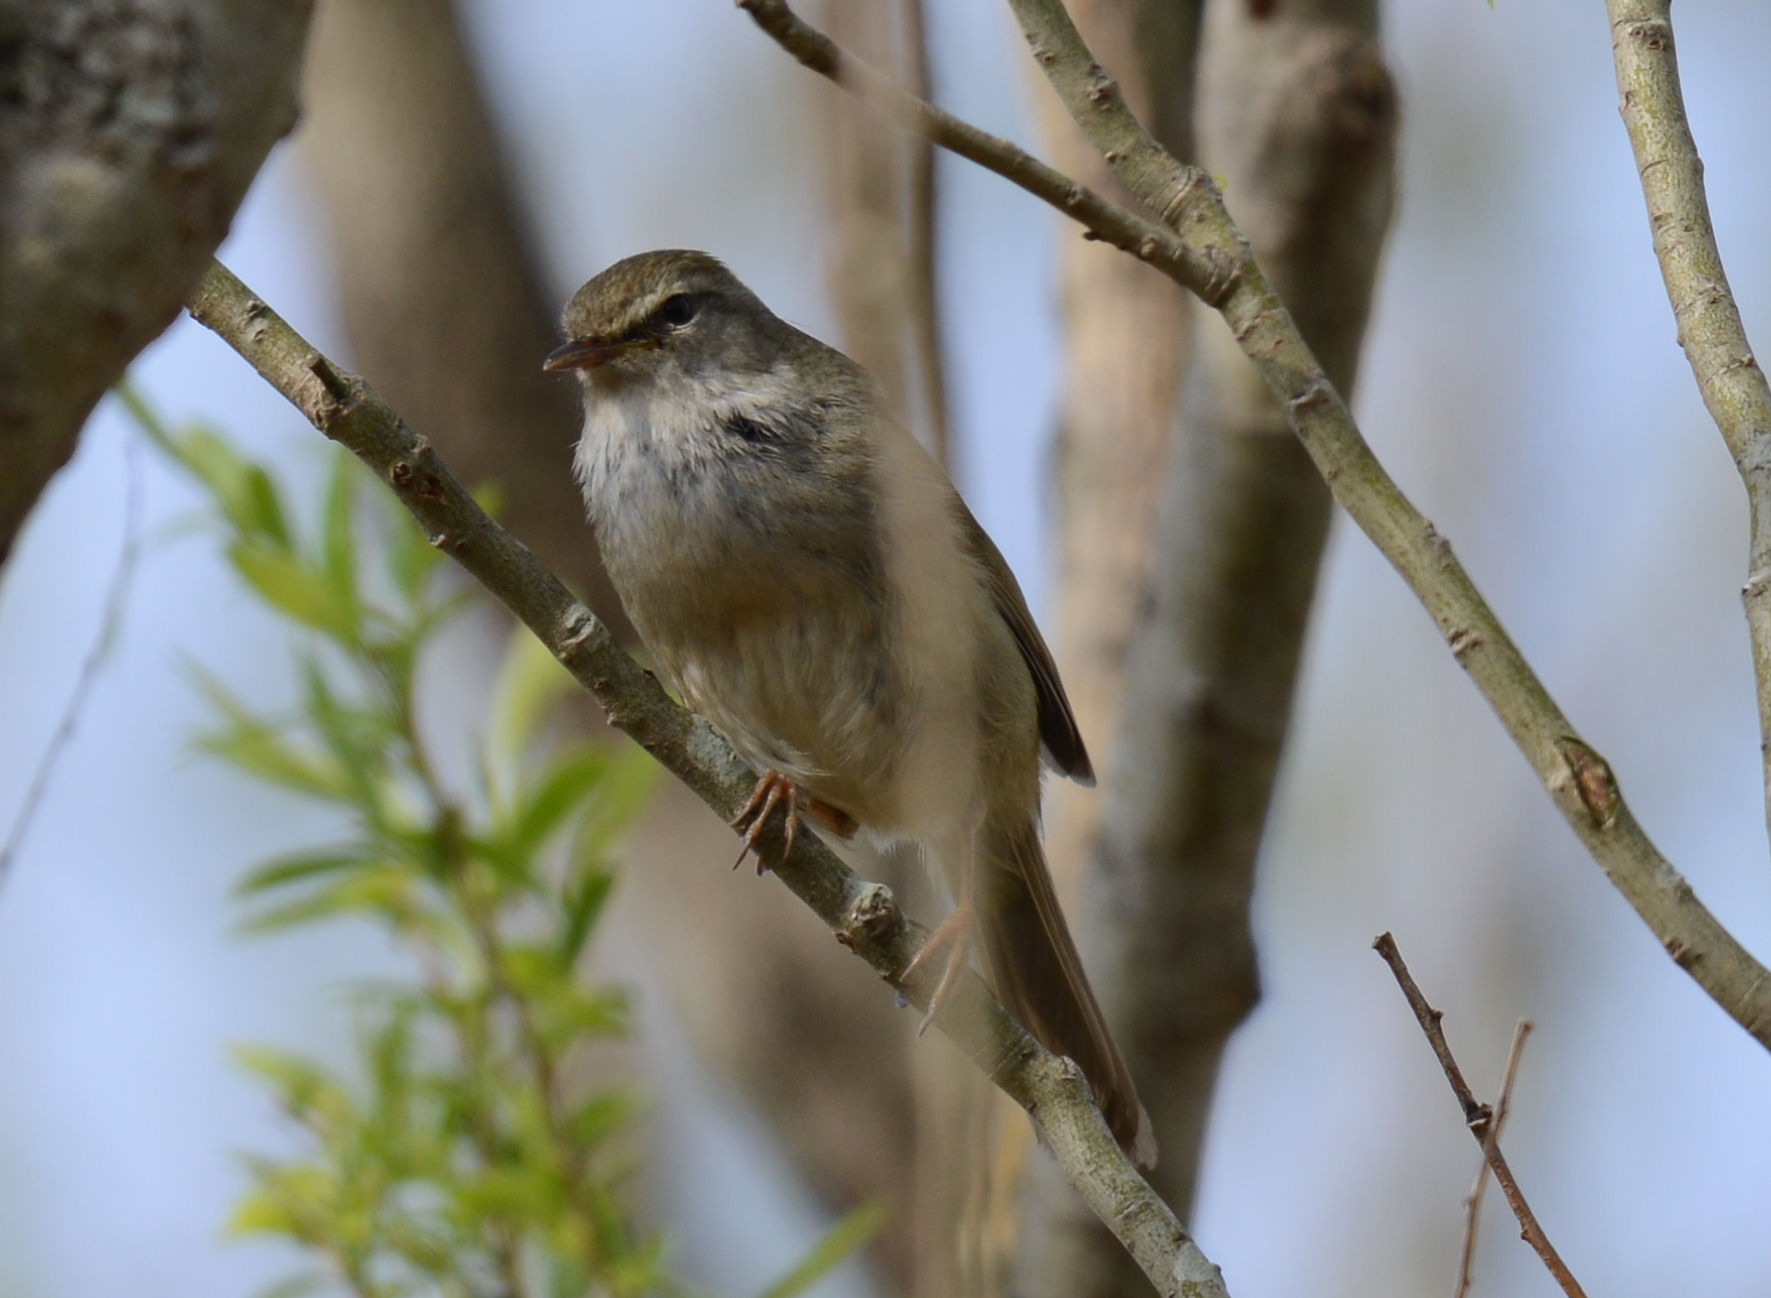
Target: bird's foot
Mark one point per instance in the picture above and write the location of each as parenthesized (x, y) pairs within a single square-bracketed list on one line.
[(773, 790), (955, 935)]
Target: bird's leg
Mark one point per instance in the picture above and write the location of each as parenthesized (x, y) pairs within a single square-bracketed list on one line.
[(955, 933)]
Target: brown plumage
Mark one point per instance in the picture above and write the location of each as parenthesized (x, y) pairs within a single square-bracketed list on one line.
[(810, 582)]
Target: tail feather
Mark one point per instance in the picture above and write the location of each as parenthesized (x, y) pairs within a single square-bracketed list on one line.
[(1039, 977)]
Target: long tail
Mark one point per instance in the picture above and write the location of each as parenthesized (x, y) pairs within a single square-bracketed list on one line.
[(1039, 975)]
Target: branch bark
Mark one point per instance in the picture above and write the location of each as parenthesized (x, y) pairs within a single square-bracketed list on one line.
[(862, 915), (1733, 385), (129, 132)]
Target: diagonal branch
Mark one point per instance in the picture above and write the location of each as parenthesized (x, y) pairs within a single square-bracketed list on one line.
[(862, 914), (1478, 1117), (1710, 330), (1213, 261)]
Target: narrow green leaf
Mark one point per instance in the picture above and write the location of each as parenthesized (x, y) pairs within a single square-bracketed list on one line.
[(551, 797), (260, 1212), (411, 558), (338, 545), (288, 581), (601, 1116), (258, 746), (241, 489), (299, 1285), (581, 903), (624, 791), (842, 1239), (300, 867), (530, 681), (357, 738)]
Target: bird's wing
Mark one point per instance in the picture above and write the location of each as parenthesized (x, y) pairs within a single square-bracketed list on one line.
[(1057, 724)]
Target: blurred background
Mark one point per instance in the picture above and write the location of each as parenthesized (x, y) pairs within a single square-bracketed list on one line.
[(1520, 379)]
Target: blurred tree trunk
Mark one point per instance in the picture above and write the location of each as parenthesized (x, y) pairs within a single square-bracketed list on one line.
[(1297, 112), (129, 132), (449, 317), (1126, 340), (441, 294)]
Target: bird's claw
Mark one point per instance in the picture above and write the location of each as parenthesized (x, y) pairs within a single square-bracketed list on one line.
[(771, 790), (955, 933)]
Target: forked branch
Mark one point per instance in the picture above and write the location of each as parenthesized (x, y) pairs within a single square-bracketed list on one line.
[(1478, 1117)]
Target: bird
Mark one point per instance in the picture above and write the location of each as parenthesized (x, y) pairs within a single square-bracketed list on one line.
[(807, 578)]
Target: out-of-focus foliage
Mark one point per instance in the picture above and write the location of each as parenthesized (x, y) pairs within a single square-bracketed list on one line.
[(456, 1159)]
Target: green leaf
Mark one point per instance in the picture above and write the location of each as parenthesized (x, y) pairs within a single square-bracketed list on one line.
[(601, 1116), (257, 746), (411, 558), (242, 489), (261, 1212), (313, 1095), (842, 1239), (356, 737), (623, 793), (296, 1286), (337, 537), (385, 891), (567, 1013), (530, 681), (581, 902), (288, 581), (300, 867), (549, 799)]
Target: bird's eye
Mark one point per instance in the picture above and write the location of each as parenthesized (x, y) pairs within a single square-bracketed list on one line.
[(678, 310)]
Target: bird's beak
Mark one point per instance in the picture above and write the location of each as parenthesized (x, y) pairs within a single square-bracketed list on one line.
[(589, 353)]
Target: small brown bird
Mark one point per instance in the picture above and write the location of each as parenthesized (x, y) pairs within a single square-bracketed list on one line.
[(810, 582)]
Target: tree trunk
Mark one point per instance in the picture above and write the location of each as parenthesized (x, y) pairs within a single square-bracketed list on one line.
[(1297, 113), (129, 132)]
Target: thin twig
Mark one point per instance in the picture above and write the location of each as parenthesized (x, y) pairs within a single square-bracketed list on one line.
[(1502, 1105), (1213, 261), (863, 915), (110, 621), (1202, 270), (1478, 1117), (1734, 388)]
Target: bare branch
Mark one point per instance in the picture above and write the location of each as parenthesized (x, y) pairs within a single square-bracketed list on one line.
[(1579, 780), (103, 640), (1477, 1116), (1490, 1138), (863, 915), (1734, 388)]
